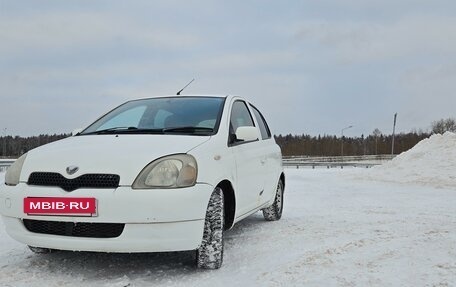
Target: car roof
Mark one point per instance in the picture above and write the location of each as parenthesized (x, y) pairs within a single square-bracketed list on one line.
[(228, 98), (190, 96)]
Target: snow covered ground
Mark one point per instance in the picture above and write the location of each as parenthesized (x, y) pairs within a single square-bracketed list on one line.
[(336, 230)]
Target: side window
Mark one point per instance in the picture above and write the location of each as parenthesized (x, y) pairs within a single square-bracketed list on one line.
[(240, 116), (264, 129)]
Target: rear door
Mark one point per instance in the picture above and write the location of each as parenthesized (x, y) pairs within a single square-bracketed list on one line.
[(270, 157)]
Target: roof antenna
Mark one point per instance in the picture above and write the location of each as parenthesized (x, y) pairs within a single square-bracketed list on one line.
[(178, 93)]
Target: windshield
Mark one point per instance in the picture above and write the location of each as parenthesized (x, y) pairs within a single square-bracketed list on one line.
[(179, 115)]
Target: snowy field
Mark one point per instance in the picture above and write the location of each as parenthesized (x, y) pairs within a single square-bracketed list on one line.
[(338, 229), (392, 225)]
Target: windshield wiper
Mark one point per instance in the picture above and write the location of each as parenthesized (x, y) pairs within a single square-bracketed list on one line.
[(110, 130), (125, 130), (135, 130), (188, 129)]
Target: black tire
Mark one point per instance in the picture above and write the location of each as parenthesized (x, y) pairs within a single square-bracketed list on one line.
[(210, 253), (274, 212), (40, 250)]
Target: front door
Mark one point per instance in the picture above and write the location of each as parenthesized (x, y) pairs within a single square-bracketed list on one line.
[(249, 165)]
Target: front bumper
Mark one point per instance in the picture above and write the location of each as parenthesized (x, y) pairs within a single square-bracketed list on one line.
[(155, 220)]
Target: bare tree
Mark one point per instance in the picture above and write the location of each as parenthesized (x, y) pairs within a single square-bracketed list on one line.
[(376, 134), (443, 125)]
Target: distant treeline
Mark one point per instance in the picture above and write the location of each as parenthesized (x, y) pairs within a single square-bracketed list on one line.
[(291, 144), (16, 146), (332, 146), (307, 145), (376, 143)]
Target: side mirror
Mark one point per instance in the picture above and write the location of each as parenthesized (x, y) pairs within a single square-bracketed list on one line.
[(76, 132), (247, 134)]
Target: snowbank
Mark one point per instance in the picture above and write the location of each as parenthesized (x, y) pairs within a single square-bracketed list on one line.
[(431, 162)]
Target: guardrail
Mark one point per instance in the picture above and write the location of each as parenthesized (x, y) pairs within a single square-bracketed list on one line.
[(5, 163), (336, 161), (382, 157), (302, 161)]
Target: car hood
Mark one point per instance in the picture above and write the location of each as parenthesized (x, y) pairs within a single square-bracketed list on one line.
[(125, 155)]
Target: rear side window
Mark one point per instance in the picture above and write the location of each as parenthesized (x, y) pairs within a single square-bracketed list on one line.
[(264, 129)]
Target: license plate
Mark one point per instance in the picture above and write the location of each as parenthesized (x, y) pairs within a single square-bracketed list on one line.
[(74, 206)]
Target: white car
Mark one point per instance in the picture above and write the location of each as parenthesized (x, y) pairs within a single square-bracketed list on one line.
[(159, 174)]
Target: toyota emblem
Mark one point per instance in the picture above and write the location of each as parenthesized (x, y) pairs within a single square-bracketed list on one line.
[(72, 169)]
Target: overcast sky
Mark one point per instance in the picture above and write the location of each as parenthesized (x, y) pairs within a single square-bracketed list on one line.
[(312, 67)]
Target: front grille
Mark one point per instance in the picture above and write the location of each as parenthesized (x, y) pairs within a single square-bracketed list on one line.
[(90, 180), (75, 229)]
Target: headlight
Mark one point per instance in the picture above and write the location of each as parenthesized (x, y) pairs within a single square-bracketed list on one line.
[(172, 171), (13, 173)]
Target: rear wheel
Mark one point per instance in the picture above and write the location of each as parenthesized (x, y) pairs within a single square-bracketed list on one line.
[(210, 254), (274, 212)]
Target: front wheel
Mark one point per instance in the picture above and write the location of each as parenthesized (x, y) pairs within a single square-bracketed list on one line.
[(274, 212), (210, 254)]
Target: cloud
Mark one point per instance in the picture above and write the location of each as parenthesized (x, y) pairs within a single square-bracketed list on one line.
[(310, 66), (432, 89), (68, 30), (373, 41)]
